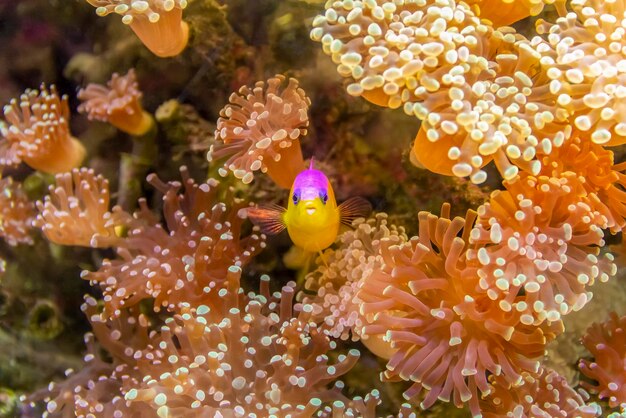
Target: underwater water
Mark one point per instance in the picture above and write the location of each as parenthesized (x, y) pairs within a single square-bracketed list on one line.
[(303, 208)]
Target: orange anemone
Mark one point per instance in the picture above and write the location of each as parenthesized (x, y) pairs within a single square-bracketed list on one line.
[(37, 132), (119, 103)]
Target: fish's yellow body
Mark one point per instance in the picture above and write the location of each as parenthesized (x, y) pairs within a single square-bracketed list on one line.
[(312, 217), (311, 224)]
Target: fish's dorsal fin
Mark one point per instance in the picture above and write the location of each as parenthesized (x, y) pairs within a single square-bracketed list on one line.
[(311, 163), (353, 208), (269, 218)]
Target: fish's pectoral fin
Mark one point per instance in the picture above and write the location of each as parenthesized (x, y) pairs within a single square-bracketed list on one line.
[(268, 218), (355, 207)]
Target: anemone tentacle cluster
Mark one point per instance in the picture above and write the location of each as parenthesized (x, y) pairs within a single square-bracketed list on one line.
[(96, 389), (607, 343), (583, 54), (249, 355), (184, 259), (546, 395), (537, 239), (36, 131), (16, 213), (261, 128), (157, 23), (119, 103), (76, 210), (254, 359), (336, 283), (475, 88), (446, 338)]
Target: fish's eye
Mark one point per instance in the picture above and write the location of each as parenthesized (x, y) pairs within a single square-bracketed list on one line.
[(295, 199), (324, 197)]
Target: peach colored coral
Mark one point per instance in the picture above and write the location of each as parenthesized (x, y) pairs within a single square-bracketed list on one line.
[(603, 180), (338, 279), (16, 213), (77, 210), (37, 132), (607, 344), (538, 239), (96, 389), (507, 12), (119, 103), (157, 23), (185, 258), (543, 395), (583, 54), (250, 358), (261, 128), (480, 92), (447, 337)]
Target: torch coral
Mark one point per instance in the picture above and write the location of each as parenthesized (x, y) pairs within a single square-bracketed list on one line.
[(77, 210), (544, 395), (607, 343), (119, 103), (584, 56), (184, 260), (37, 132), (260, 130), (157, 23), (536, 245), (337, 281), (252, 359), (16, 213), (447, 337)]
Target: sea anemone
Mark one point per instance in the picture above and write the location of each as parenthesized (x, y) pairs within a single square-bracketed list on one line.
[(36, 131), (157, 23), (260, 129), (607, 343), (603, 181), (76, 212), (477, 90), (119, 103), (393, 50), (361, 407), (338, 279), (248, 358), (186, 258), (536, 246), (447, 337), (584, 56), (503, 113), (16, 213), (543, 395)]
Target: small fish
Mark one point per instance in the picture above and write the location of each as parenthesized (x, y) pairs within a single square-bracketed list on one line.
[(312, 217)]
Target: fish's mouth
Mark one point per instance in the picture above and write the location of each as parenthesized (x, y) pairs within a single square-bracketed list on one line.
[(310, 209)]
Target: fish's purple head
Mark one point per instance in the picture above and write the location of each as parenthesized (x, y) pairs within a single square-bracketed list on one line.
[(310, 184)]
